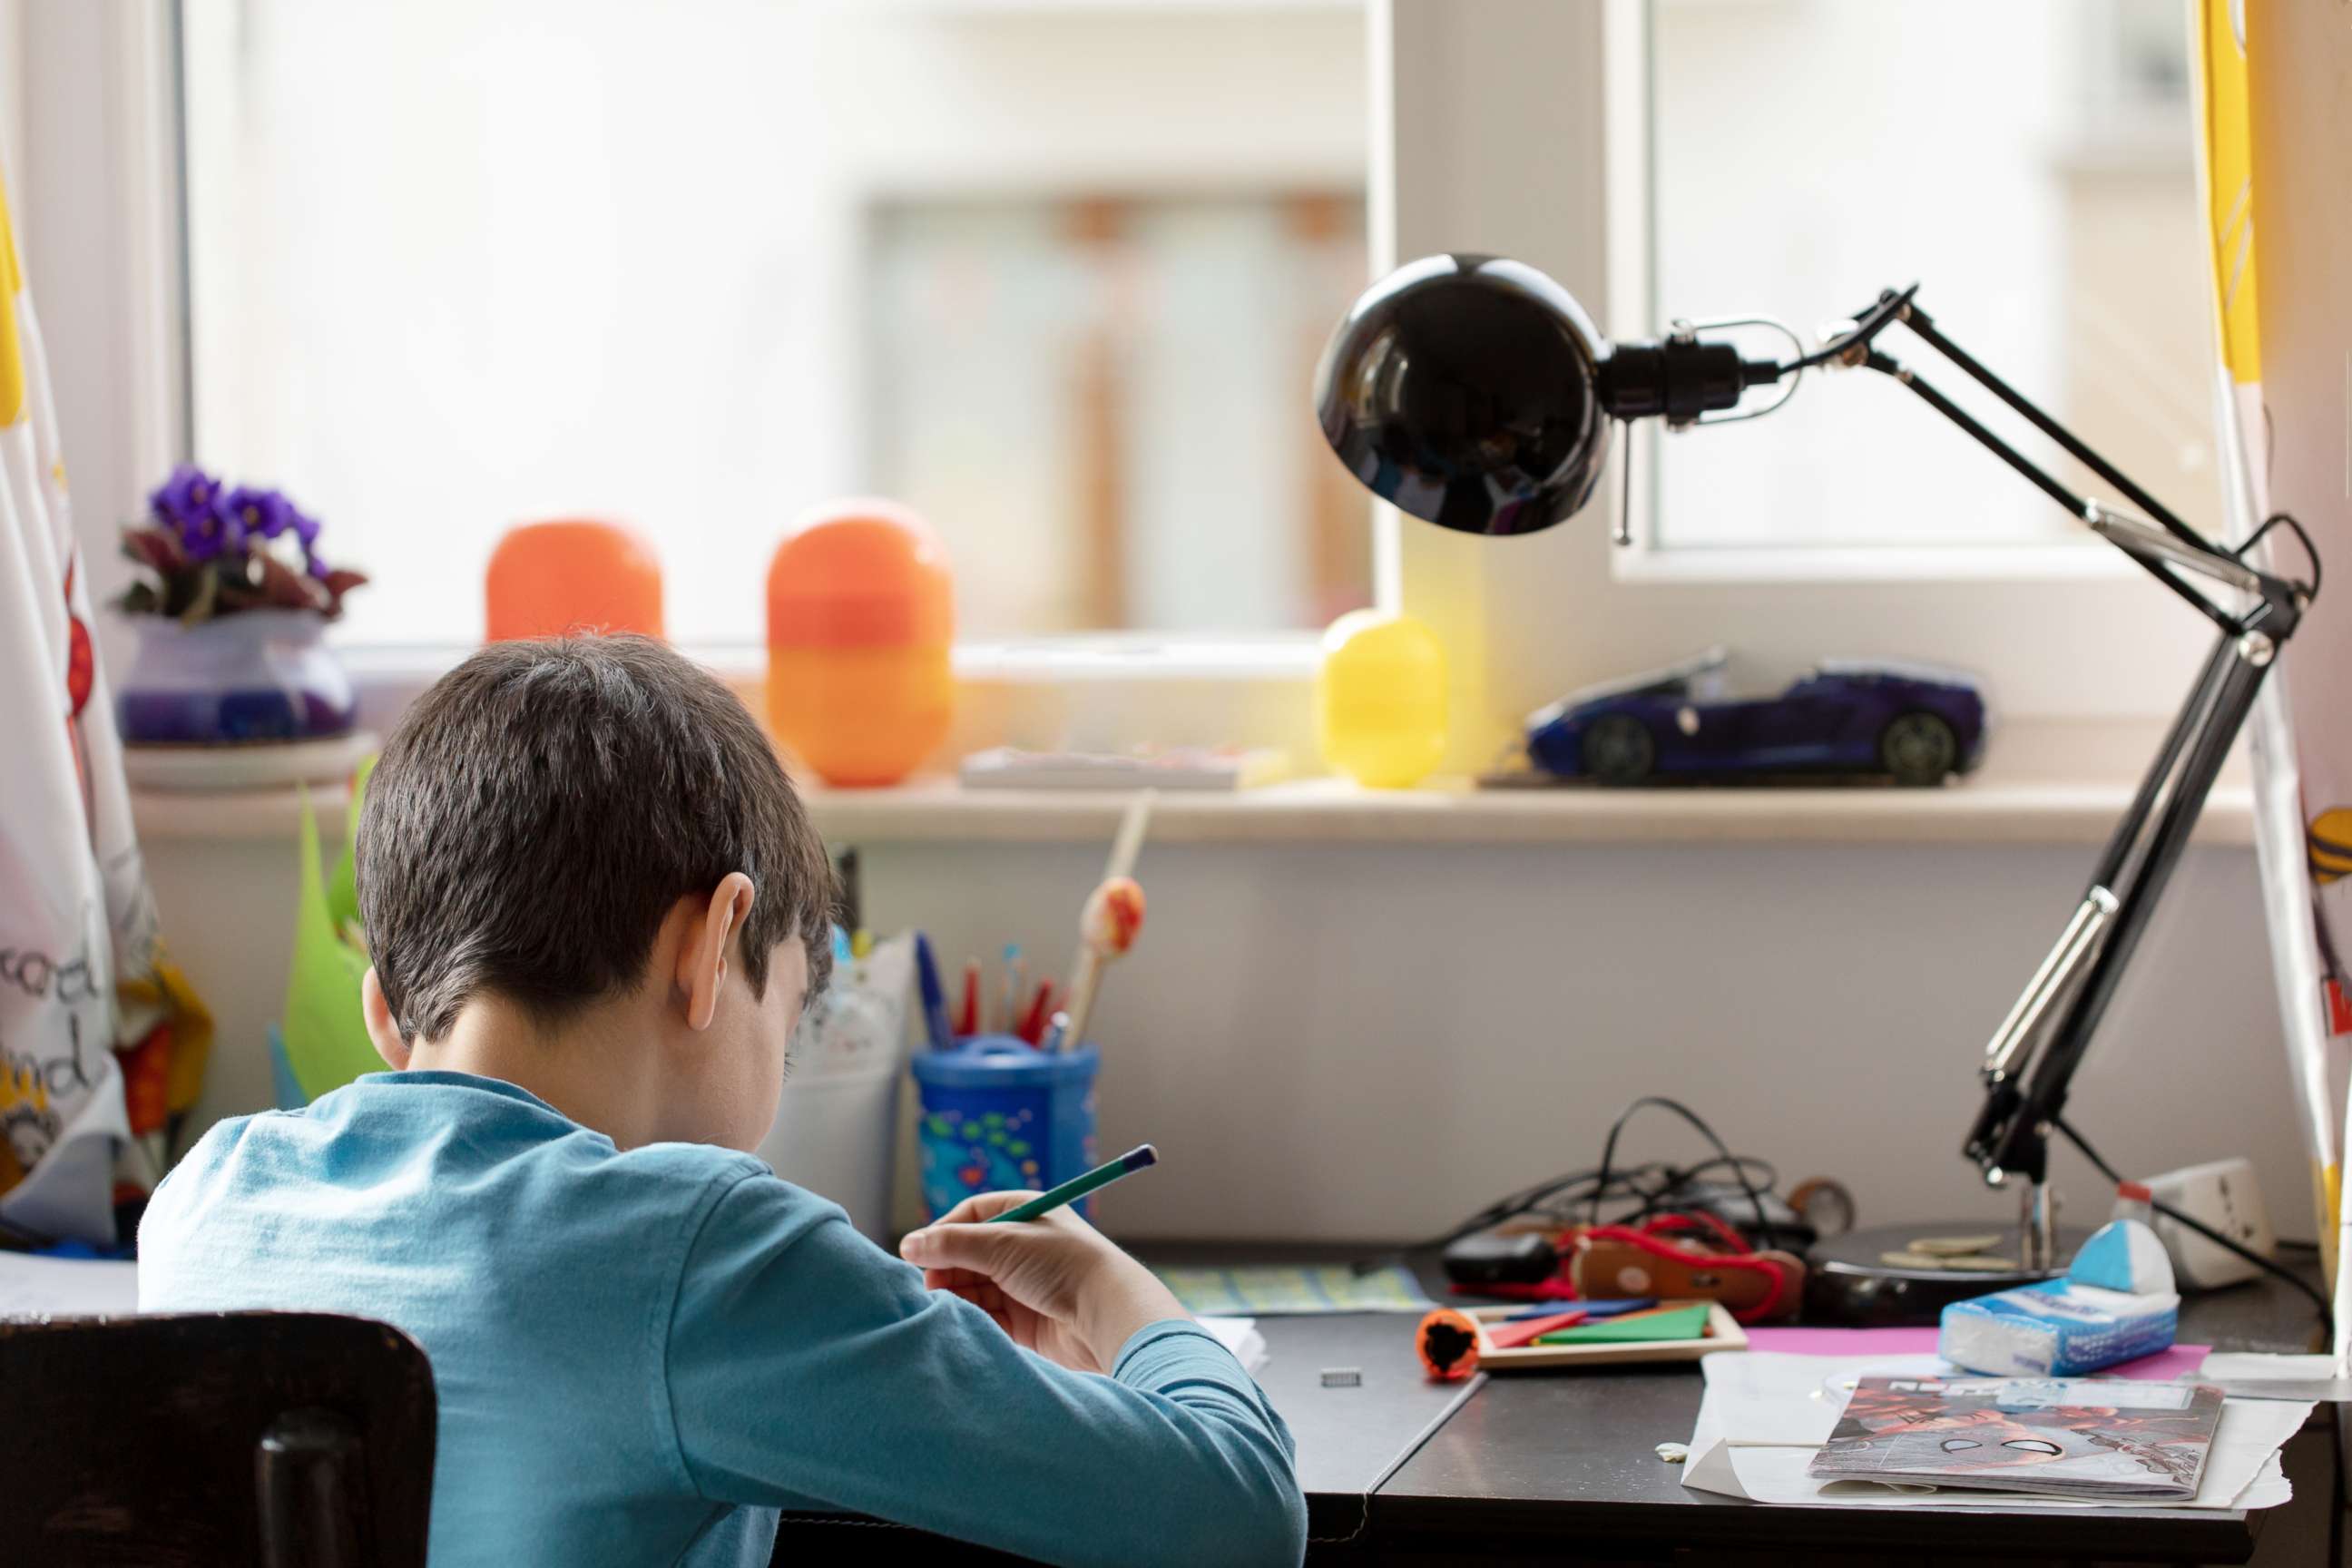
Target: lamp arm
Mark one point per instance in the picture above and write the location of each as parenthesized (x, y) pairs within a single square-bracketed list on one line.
[(1924, 328), (2032, 1060), (2043, 480)]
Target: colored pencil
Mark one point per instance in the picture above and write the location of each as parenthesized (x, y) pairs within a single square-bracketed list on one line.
[(1141, 1157)]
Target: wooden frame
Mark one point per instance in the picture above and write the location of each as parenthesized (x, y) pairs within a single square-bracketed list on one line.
[(1723, 1333)]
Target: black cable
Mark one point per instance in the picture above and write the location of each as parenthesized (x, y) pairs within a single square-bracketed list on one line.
[(1608, 1151), (2327, 1308), (2311, 553), (1558, 1196)]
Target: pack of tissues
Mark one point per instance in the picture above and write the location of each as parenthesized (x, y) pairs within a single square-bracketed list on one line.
[(2115, 1304)]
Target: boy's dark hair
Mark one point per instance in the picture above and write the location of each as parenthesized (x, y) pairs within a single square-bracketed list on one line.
[(541, 807)]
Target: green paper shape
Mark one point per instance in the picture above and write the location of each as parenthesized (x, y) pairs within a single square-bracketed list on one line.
[(343, 887), (1675, 1323), (327, 1043)]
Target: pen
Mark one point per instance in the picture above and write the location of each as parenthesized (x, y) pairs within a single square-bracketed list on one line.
[(935, 996), (967, 1016), (1076, 1187), (1010, 989)]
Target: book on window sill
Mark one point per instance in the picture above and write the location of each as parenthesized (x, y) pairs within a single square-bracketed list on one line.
[(2084, 1437), (1162, 767)]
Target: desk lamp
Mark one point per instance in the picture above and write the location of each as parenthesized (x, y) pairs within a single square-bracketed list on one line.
[(1474, 393)]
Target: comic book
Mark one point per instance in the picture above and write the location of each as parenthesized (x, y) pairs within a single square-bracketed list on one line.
[(2061, 1437)]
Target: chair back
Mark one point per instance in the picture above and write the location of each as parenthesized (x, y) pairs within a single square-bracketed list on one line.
[(289, 1439)]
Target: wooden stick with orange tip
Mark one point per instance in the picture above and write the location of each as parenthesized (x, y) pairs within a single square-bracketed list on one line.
[(1108, 925)]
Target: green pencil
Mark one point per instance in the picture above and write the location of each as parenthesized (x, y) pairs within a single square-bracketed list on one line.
[(1076, 1187)]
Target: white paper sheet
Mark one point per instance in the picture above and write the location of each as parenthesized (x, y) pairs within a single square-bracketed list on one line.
[(1765, 1415), (33, 1287), (2223, 1365)]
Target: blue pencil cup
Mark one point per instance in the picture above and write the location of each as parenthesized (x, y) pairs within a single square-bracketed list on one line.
[(999, 1113)]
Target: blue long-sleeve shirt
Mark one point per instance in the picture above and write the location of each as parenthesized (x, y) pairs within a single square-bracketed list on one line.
[(640, 1356)]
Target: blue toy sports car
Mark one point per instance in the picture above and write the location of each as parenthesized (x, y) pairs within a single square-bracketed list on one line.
[(1913, 723)]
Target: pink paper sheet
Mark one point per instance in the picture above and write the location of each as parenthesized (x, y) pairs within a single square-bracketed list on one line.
[(2162, 1367)]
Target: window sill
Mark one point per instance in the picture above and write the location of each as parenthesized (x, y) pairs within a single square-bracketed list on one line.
[(2046, 784), (1330, 811)]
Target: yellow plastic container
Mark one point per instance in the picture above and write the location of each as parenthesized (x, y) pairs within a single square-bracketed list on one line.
[(1380, 699), (860, 622)]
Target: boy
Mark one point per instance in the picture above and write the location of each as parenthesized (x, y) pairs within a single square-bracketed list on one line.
[(595, 909)]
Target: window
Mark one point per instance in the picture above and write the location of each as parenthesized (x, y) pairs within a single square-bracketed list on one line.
[(2032, 165), (1052, 272), (1053, 375)]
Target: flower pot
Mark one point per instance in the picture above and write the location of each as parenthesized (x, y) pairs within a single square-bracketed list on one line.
[(254, 675)]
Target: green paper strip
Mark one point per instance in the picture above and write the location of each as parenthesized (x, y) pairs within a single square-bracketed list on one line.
[(1676, 1323)]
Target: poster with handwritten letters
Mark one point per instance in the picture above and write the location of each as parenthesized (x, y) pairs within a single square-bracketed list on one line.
[(75, 914)]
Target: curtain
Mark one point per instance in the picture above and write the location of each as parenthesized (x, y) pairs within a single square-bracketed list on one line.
[(87, 1006), (2274, 132)]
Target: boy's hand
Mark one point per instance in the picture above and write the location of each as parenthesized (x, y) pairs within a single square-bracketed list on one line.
[(1056, 1284)]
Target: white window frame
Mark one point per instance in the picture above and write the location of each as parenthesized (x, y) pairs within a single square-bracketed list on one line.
[(93, 128), (1475, 97), (1634, 311)]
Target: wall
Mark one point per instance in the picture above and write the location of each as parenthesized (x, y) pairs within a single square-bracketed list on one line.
[(1358, 1043)]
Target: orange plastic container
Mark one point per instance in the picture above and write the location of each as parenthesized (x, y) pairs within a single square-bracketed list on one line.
[(571, 574), (861, 618)]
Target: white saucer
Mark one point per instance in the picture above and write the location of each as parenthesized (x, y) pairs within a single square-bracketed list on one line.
[(255, 765)]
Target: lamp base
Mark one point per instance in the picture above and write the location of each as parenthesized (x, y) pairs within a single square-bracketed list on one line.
[(1849, 1282)]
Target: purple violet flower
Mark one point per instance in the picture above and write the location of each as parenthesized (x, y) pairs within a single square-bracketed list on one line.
[(306, 529), (213, 532), (188, 493), (190, 504), (263, 514)]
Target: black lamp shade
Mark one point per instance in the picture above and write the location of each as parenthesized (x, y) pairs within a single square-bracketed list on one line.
[(1464, 390)]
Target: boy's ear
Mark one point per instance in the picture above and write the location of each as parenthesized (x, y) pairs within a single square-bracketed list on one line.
[(702, 955), (382, 1030)]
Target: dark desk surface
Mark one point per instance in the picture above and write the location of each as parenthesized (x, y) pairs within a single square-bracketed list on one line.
[(1560, 1457), (1541, 1461)]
